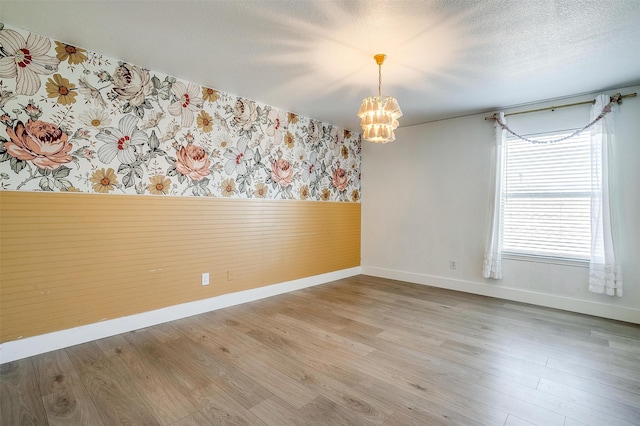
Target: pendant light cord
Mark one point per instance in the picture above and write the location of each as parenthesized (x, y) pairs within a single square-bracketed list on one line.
[(380, 80)]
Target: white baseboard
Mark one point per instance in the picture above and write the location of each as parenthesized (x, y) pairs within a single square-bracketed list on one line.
[(603, 310), (30, 346)]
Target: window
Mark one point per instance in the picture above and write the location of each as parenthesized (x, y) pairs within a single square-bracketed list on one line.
[(547, 195)]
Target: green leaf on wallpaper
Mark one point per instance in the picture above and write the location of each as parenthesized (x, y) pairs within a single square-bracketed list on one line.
[(127, 108), (163, 89), (62, 184), (171, 160), (139, 111), (172, 171), (4, 156), (314, 186), (152, 154), (61, 172), (127, 180), (257, 156), (17, 165), (44, 172), (45, 184), (123, 167), (154, 142), (164, 94)]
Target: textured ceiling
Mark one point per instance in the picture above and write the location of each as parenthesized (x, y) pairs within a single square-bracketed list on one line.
[(445, 58)]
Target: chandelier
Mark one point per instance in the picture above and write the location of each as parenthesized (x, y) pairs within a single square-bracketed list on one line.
[(378, 115)]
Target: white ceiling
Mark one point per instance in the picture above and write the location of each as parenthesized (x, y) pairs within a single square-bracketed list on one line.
[(445, 58)]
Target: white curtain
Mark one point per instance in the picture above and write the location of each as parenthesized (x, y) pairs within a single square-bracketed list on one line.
[(492, 267), (605, 275)]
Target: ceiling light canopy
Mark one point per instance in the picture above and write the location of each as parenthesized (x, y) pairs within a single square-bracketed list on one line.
[(378, 115)]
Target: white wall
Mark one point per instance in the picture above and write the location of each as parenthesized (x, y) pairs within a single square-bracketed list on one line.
[(426, 201)]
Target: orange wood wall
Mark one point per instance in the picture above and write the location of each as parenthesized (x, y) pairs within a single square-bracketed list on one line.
[(73, 259)]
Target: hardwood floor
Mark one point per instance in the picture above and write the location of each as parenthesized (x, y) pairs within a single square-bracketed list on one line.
[(359, 351)]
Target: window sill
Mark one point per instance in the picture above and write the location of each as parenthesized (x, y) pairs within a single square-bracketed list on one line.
[(576, 263)]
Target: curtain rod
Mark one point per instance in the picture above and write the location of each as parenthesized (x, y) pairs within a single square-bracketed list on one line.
[(629, 95)]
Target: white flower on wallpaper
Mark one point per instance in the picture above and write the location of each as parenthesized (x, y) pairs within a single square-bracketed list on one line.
[(238, 158), (187, 102), (75, 120), (121, 143), (25, 60), (278, 126)]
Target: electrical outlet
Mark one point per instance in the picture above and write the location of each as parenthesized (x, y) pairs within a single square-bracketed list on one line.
[(205, 278), (229, 276), (452, 264)]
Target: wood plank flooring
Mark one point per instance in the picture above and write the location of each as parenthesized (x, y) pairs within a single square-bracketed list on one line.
[(358, 351)]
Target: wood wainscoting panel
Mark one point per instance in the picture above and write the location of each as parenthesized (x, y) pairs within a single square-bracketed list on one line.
[(74, 259)]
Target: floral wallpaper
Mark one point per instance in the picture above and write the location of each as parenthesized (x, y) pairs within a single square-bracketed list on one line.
[(75, 120)]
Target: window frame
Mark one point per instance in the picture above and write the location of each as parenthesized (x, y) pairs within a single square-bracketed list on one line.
[(550, 258)]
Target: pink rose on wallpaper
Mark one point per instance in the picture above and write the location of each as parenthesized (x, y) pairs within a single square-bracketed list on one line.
[(340, 179), (282, 172), (39, 142), (193, 161), (132, 84), (244, 113)]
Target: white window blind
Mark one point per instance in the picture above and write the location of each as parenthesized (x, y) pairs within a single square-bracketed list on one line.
[(547, 196)]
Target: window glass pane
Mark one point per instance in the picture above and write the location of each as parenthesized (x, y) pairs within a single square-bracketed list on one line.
[(547, 197)]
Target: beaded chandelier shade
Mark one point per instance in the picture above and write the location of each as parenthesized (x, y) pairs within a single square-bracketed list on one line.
[(379, 115)]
